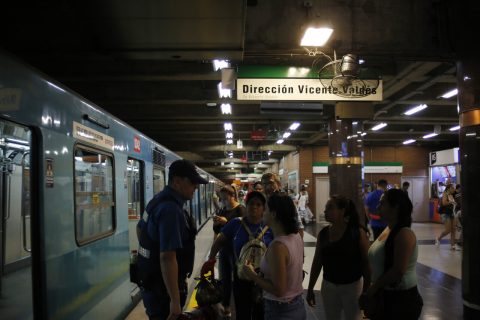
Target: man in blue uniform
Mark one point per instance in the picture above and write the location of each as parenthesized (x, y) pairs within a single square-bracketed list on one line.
[(167, 244), (371, 204)]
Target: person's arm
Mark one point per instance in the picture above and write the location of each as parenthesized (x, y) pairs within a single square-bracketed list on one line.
[(314, 272), (364, 244), (403, 249), (277, 258), (217, 245), (169, 267), (209, 265)]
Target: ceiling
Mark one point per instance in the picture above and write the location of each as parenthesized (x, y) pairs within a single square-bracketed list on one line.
[(149, 63)]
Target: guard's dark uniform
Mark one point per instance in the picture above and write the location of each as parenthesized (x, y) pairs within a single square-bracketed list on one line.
[(167, 227)]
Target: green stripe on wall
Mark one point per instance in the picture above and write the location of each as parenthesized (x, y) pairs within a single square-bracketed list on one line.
[(320, 164), (272, 72)]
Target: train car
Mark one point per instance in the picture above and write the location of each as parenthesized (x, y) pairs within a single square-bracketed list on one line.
[(74, 182)]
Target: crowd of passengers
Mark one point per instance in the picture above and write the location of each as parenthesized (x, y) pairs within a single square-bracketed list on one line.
[(356, 274), (360, 279)]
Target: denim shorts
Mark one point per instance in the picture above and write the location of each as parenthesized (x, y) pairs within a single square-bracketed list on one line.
[(292, 310), (446, 216)]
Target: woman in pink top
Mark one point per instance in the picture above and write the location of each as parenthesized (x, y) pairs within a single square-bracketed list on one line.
[(282, 265)]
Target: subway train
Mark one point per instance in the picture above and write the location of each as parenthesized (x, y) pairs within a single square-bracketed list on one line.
[(74, 182)]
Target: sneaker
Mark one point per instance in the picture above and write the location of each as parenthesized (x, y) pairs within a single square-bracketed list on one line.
[(437, 242)]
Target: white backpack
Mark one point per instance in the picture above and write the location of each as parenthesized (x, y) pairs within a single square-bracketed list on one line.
[(253, 251)]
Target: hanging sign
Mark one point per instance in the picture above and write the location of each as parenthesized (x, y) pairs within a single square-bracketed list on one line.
[(291, 89)]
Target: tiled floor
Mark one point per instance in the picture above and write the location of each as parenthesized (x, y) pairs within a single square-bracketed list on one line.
[(438, 270)]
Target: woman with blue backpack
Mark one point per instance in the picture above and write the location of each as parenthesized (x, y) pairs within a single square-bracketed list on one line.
[(247, 236)]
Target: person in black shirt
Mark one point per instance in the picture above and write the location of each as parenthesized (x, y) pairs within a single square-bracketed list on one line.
[(231, 209), (342, 252)]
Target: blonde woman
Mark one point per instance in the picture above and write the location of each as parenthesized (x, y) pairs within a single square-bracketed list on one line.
[(447, 205)]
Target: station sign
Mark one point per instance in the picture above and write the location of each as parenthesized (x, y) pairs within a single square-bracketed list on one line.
[(304, 90), (283, 83)]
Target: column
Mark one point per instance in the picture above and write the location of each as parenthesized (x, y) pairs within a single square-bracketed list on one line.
[(468, 78), (346, 161)]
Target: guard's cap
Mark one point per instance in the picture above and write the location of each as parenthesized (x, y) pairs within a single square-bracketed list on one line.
[(184, 168)]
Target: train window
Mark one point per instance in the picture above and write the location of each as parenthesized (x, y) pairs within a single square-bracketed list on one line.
[(158, 179), (134, 188), (94, 204)]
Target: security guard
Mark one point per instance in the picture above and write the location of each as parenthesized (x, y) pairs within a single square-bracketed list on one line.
[(167, 243)]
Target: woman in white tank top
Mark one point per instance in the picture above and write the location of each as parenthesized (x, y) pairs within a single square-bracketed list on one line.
[(393, 257)]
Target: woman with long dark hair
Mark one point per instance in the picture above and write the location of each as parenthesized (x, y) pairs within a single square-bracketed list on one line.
[(282, 264), (342, 252), (393, 258)]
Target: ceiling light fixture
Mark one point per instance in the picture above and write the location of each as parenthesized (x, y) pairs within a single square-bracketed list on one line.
[(430, 135), (316, 37), (286, 135), (409, 141), (229, 135), (454, 128), (450, 93), (220, 64), (415, 109), (228, 126), (226, 108), (294, 126), (229, 141), (379, 126), (280, 141), (223, 93)]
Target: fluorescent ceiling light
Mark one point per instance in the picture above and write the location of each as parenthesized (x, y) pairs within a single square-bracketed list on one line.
[(450, 93), (430, 135), (280, 141), (286, 135), (409, 141), (229, 141), (228, 126), (454, 128), (363, 134), (379, 126), (416, 109), (316, 37), (229, 135), (220, 64), (226, 108), (294, 126), (223, 93)]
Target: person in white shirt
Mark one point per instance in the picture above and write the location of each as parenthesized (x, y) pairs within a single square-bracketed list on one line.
[(302, 204)]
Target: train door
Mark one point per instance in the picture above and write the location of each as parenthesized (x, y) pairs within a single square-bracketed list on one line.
[(16, 295)]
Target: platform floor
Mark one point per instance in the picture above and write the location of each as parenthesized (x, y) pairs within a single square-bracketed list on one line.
[(438, 270)]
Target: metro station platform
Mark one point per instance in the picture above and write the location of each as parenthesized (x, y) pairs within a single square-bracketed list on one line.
[(438, 271)]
